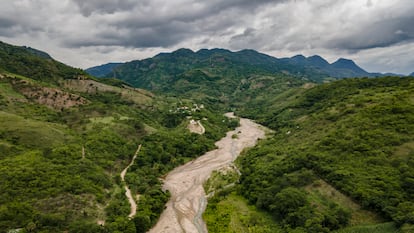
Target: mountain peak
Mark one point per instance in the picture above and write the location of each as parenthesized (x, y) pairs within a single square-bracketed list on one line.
[(183, 52), (344, 63), (344, 60), (248, 51), (317, 60), (347, 64), (298, 57)]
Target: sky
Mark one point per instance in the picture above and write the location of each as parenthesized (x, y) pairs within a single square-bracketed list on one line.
[(377, 34)]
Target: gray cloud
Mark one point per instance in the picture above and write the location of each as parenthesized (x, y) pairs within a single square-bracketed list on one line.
[(379, 34), (107, 6), (85, 33), (159, 23)]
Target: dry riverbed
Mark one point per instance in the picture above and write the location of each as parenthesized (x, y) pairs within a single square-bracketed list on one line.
[(188, 199)]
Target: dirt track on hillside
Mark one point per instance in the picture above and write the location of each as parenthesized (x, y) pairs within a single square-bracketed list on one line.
[(128, 193), (188, 201)]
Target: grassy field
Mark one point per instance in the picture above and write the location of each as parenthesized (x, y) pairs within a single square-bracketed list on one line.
[(230, 213), (388, 227), (31, 133), (319, 191)]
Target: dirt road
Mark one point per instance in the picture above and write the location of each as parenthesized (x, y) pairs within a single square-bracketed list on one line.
[(188, 201), (128, 193)]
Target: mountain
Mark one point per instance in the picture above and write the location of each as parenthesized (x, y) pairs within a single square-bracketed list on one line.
[(35, 64), (317, 61), (149, 73), (412, 74), (313, 61), (342, 68), (102, 70), (348, 68)]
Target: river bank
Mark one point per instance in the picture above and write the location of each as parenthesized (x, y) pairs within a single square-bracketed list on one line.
[(188, 199)]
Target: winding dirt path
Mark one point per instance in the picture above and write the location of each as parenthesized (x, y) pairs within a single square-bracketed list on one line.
[(188, 199), (127, 190)]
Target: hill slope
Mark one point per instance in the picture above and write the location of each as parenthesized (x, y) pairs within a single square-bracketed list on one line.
[(35, 64), (102, 70), (355, 134), (65, 138)]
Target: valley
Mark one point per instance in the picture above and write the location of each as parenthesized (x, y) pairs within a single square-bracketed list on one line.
[(185, 183), (146, 148)]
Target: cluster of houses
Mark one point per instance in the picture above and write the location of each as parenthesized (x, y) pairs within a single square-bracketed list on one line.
[(187, 110)]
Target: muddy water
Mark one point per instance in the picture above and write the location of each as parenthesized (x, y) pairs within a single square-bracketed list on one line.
[(188, 201)]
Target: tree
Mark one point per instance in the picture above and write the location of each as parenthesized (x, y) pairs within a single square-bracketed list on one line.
[(287, 201)]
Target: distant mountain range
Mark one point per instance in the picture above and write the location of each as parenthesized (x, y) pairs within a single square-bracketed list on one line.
[(102, 70), (313, 68)]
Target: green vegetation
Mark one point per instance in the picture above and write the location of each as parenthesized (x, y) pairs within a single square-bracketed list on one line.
[(229, 212), (341, 158), (220, 180), (77, 153), (377, 228), (218, 78), (35, 64), (60, 165), (355, 134)]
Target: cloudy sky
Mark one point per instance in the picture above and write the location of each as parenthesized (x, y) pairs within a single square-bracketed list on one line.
[(377, 34)]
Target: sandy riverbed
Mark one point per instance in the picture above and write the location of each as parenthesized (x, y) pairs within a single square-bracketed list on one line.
[(188, 201)]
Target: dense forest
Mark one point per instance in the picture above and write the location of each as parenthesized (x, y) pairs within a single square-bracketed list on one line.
[(354, 134)]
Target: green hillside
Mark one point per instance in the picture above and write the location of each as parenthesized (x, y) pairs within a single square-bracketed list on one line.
[(157, 72), (35, 64), (65, 138), (206, 71), (354, 134)]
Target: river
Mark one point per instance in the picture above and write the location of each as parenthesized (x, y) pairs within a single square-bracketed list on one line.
[(188, 201)]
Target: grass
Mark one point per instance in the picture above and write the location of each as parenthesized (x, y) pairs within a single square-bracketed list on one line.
[(388, 227), (32, 81), (220, 179), (229, 212), (7, 90), (233, 214), (320, 190), (405, 150), (102, 120), (31, 133)]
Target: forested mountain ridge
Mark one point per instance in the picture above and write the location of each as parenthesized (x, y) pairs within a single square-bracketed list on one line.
[(35, 64), (164, 68), (102, 70)]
